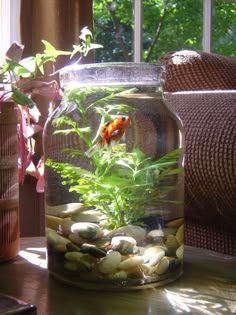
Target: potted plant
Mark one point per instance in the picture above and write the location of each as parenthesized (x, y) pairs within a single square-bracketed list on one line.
[(20, 80)]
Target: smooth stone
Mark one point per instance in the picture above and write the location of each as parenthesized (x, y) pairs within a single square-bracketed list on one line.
[(124, 244), (76, 239), (169, 231), (103, 223), (156, 258), (109, 264), (135, 231), (70, 265), (53, 238), (155, 235), (87, 216), (175, 223), (151, 251), (60, 225), (74, 256), (148, 269), (131, 262), (92, 250), (171, 242), (119, 275), (53, 222), (102, 242), (163, 266), (73, 247), (86, 230), (180, 234), (180, 252), (64, 210), (66, 225), (84, 261), (60, 248), (141, 250), (135, 273)]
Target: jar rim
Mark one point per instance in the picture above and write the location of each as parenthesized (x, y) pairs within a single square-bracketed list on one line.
[(129, 73)]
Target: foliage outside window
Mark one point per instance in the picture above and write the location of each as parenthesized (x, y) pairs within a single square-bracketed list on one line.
[(168, 25)]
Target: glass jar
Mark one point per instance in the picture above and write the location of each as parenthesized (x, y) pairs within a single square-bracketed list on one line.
[(114, 179)]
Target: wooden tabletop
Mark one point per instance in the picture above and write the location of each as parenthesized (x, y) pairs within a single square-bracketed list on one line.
[(208, 286)]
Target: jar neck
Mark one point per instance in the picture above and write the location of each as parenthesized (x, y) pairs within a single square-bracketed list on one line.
[(128, 74)]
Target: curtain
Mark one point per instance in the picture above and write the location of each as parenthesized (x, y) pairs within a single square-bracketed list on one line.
[(59, 22)]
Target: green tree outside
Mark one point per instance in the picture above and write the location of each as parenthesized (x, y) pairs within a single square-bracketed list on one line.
[(168, 25)]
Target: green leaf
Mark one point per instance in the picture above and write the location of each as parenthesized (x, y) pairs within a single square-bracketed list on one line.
[(40, 60), (123, 163), (63, 131), (28, 65), (22, 99), (19, 69), (75, 130), (115, 181), (51, 52)]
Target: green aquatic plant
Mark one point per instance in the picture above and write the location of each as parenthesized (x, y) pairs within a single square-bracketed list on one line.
[(121, 184)]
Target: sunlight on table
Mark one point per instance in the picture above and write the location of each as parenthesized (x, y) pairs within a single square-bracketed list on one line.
[(36, 256)]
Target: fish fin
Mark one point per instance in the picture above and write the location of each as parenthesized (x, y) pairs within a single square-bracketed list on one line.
[(93, 149)]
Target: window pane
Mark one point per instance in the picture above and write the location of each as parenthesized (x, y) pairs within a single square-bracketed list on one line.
[(167, 26), (224, 28), (176, 24), (113, 28)]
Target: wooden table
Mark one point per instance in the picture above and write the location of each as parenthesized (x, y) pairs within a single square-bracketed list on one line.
[(208, 286)]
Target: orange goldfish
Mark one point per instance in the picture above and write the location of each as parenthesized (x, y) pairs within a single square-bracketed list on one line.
[(112, 131)]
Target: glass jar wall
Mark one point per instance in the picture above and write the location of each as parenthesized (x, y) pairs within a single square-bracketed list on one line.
[(114, 179)]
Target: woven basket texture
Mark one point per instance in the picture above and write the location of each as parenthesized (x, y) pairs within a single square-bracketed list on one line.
[(209, 120), (188, 70)]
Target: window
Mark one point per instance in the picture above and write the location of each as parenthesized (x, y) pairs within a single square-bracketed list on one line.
[(9, 24), (166, 25)]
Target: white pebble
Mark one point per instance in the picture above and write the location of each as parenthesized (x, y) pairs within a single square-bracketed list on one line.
[(155, 234), (135, 231), (162, 266), (124, 244), (149, 252), (156, 258), (119, 275), (180, 252), (180, 234), (110, 263), (131, 262), (171, 241)]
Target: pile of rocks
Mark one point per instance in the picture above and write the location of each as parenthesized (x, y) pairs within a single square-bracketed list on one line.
[(79, 244)]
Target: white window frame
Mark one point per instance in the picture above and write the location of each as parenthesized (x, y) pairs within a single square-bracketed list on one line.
[(9, 25), (207, 27)]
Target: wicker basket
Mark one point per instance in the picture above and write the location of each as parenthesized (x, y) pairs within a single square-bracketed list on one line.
[(9, 192)]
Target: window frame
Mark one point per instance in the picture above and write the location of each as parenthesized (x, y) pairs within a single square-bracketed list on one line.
[(138, 18), (9, 24)]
